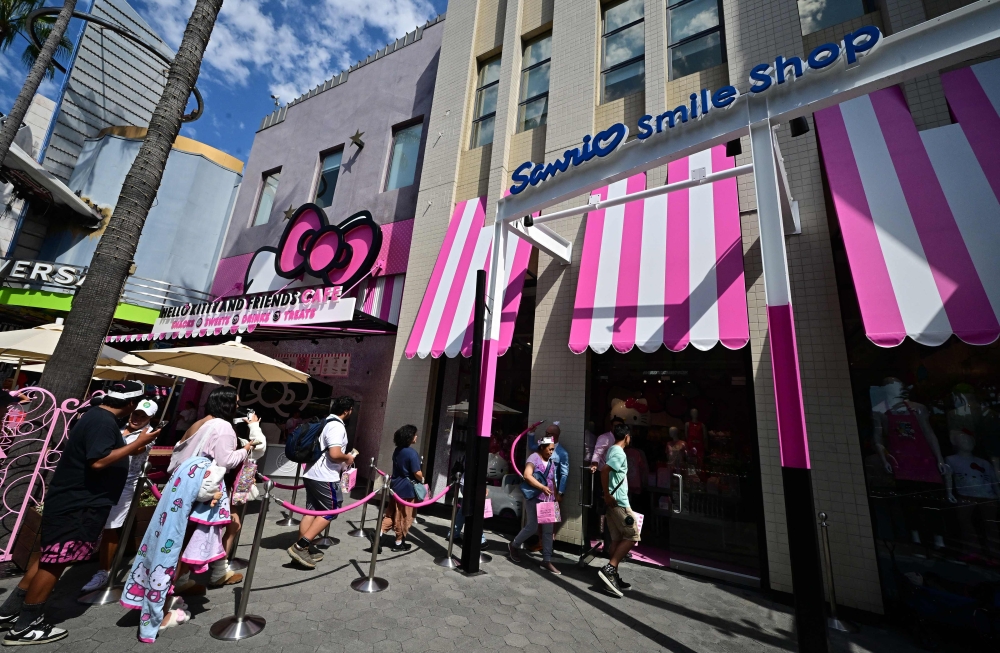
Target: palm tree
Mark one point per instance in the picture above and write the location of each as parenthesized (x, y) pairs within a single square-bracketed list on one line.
[(68, 373), (14, 23), (13, 122)]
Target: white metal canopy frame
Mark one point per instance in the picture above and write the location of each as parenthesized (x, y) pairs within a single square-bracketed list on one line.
[(951, 39)]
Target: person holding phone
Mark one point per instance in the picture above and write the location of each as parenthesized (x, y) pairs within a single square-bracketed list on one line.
[(88, 482), (138, 424)]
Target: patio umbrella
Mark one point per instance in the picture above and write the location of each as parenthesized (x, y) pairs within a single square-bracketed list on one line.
[(231, 360), (162, 375), (498, 409)]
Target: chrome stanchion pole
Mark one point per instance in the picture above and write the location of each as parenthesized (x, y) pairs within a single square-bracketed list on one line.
[(289, 519), (236, 563), (449, 561), (371, 584), (111, 593), (242, 625), (360, 530), (832, 622)]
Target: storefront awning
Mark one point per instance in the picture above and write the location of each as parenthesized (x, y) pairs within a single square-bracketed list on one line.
[(666, 270), (919, 216), (442, 324)]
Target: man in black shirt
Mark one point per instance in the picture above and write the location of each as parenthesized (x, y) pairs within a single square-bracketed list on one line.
[(87, 483)]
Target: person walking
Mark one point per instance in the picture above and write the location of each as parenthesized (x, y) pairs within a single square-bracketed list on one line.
[(405, 474), (322, 482), (138, 423), (601, 446), (620, 519), (539, 485), (87, 483), (560, 457)]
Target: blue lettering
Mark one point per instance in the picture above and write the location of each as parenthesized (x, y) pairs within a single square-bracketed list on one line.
[(607, 141), (538, 174), (521, 180), (694, 105), (705, 104), (853, 50), (586, 154), (645, 129), (574, 156), (816, 59), (559, 165), (670, 117), (725, 96), (781, 65), (761, 74)]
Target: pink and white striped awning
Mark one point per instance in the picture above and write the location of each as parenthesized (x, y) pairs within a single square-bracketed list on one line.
[(381, 297), (667, 270), (442, 324), (919, 211)]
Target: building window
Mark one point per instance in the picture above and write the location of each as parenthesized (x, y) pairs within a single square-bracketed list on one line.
[(405, 150), (819, 14), (486, 102), (623, 50), (266, 201), (534, 103), (695, 36), (328, 178)]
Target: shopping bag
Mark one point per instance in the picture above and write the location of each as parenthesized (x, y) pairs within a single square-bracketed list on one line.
[(348, 480), (548, 513), (488, 509), (246, 482), (638, 522)]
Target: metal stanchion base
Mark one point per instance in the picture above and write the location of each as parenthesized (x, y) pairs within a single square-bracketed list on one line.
[(843, 626), (485, 557), (287, 521), (449, 562), (232, 629), (357, 532), (101, 596), (325, 542), (370, 585), (238, 564)]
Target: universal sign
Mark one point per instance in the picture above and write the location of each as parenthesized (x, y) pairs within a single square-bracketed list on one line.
[(762, 78), (27, 271)]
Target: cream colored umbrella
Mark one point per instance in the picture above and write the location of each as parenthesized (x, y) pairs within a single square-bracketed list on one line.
[(162, 375), (232, 360)]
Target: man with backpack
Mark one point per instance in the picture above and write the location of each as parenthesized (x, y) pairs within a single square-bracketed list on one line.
[(323, 446)]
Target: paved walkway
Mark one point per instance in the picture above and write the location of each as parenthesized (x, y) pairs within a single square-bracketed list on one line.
[(428, 608)]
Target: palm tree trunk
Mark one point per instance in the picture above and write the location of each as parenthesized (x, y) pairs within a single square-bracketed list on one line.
[(68, 374), (34, 80)]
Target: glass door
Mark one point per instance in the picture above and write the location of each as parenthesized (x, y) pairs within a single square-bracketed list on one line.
[(693, 467)]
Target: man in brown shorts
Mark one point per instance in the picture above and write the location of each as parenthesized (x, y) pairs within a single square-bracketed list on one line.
[(620, 519)]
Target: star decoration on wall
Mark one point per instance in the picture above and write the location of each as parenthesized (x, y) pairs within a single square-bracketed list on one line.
[(289, 212), (356, 139)]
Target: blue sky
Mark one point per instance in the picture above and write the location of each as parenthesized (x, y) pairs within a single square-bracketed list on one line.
[(260, 48)]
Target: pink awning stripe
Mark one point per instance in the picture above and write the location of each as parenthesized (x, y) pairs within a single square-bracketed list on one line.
[(919, 219), (446, 310), (973, 96), (381, 297), (665, 271)]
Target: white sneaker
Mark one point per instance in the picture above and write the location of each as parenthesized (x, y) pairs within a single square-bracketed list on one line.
[(99, 580)]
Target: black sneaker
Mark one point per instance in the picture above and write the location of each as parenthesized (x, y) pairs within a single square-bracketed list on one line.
[(6, 623), (622, 585), (402, 546), (609, 575), (515, 555), (37, 633)]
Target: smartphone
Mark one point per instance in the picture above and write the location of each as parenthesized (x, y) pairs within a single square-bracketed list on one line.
[(249, 414)]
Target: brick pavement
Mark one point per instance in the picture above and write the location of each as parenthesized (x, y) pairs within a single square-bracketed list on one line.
[(428, 608)]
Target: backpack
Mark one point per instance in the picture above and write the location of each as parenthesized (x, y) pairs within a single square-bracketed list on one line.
[(302, 446)]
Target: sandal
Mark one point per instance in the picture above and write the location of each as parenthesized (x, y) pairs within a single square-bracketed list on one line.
[(551, 568), (231, 578), (174, 618)]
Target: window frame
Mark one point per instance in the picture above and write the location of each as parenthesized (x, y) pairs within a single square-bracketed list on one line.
[(264, 176), (605, 35), (413, 122), (477, 120), (319, 174), (720, 28), (523, 103)]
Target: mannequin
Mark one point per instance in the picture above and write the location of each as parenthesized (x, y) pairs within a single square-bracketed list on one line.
[(909, 450), (694, 434), (975, 482)]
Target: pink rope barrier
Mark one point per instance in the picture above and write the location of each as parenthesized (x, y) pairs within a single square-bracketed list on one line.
[(424, 503), (513, 445), (155, 491), (282, 486), (316, 513)]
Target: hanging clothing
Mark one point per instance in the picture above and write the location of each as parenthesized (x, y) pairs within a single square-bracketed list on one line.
[(152, 571), (912, 457)]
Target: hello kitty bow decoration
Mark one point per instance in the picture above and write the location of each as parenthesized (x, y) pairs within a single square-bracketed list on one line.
[(339, 255)]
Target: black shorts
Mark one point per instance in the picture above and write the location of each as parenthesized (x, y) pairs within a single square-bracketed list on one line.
[(322, 495), (84, 525)]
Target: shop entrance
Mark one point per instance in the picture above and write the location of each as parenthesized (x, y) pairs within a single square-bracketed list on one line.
[(694, 472)]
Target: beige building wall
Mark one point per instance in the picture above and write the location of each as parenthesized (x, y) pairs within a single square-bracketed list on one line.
[(755, 31)]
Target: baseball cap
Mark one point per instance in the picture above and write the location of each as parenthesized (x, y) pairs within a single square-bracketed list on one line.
[(126, 390), (147, 406), (546, 440)]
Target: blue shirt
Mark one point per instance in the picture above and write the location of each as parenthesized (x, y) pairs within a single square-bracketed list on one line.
[(405, 463), (560, 457)]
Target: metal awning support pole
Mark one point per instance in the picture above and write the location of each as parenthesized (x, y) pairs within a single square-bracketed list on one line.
[(803, 545)]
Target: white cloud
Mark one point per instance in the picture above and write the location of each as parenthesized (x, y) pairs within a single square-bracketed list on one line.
[(296, 44)]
